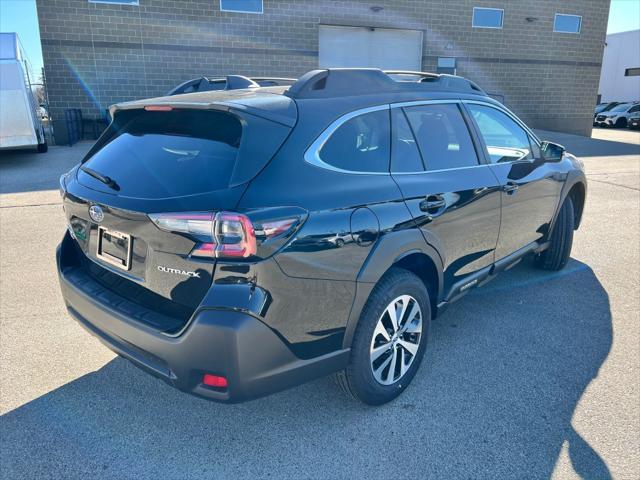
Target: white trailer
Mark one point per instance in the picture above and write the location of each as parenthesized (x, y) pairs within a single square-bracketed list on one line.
[(20, 125)]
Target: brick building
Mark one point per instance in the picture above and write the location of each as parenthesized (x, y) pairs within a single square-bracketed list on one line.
[(542, 58)]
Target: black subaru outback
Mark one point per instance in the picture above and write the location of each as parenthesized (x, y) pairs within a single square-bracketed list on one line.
[(236, 243)]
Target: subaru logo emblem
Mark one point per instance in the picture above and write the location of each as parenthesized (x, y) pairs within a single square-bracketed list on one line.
[(96, 213)]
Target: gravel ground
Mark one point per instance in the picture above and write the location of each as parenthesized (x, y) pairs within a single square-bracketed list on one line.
[(535, 375)]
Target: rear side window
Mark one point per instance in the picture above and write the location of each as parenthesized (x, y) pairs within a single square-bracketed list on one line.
[(443, 136), (166, 154), (361, 144), (506, 141)]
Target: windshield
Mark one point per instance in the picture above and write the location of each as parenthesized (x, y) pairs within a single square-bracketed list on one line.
[(167, 153), (621, 108)]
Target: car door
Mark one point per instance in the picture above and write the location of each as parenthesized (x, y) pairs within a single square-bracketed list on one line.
[(531, 186), (452, 196)]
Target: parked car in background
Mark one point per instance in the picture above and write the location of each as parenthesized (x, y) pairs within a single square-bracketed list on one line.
[(603, 107), (617, 116), (259, 238), (634, 120), (230, 82)]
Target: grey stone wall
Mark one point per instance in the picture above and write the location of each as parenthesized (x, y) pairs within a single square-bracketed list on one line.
[(99, 54)]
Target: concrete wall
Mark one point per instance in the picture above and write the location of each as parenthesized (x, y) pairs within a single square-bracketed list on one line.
[(622, 52), (97, 54)]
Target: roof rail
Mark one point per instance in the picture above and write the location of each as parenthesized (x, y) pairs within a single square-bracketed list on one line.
[(339, 82)]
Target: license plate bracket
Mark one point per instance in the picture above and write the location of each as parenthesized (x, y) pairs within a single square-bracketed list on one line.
[(114, 248)]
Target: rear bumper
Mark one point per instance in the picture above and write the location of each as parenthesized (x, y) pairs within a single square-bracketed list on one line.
[(233, 344)]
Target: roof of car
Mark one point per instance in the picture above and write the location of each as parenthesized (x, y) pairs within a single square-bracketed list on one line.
[(360, 85)]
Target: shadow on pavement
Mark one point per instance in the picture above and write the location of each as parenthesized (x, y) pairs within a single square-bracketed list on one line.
[(494, 398)]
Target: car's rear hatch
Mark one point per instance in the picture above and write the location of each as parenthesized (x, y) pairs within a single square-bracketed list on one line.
[(167, 158)]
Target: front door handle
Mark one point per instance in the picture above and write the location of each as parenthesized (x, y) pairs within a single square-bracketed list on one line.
[(510, 188), (434, 205)]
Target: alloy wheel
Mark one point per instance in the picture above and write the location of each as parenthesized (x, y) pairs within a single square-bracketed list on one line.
[(396, 340)]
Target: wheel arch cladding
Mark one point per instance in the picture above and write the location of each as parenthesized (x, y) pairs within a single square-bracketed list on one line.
[(405, 249), (423, 266)]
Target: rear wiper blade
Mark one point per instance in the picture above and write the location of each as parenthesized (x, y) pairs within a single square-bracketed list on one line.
[(108, 181)]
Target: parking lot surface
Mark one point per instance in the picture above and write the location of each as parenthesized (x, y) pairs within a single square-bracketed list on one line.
[(535, 375)]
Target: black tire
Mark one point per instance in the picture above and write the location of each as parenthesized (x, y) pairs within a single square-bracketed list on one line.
[(358, 380), (557, 255), (43, 147), (621, 123)]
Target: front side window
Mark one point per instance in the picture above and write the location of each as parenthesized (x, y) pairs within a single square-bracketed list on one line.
[(442, 136), (244, 6), (567, 23), (361, 144), (487, 17), (506, 141)]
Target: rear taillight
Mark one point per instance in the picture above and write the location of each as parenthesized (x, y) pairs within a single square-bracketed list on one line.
[(222, 234)]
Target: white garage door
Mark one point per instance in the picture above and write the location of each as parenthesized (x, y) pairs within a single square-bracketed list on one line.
[(388, 49)]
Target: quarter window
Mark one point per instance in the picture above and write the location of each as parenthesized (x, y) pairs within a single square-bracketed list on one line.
[(567, 23), (361, 144), (405, 156), (244, 6), (505, 140), (443, 136), (487, 17)]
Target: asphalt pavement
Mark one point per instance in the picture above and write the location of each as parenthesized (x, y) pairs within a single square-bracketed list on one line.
[(536, 375)]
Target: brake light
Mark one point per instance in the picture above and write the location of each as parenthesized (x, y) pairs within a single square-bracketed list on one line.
[(222, 234), (158, 108), (215, 381)]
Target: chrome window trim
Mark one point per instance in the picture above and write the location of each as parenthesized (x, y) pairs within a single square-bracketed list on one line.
[(555, 17), (423, 172), (417, 103), (312, 154), (473, 17)]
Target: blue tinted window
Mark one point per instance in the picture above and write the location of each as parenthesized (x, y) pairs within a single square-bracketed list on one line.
[(247, 6), (487, 17), (567, 23)]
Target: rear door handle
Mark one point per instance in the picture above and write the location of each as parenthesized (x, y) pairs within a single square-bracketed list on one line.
[(510, 188), (433, 205)]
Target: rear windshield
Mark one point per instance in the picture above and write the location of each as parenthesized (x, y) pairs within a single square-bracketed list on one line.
[(156, 154)]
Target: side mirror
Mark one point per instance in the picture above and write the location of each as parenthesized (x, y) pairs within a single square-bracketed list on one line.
[(552, 152)]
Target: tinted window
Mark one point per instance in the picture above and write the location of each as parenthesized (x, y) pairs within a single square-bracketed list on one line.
[(405, 156), (632, 72), (487, 17), (443, 136), (621, 108), (166, 154), (506, 141), (246, 6), (567, 23), (635, 109), (361, 144)]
